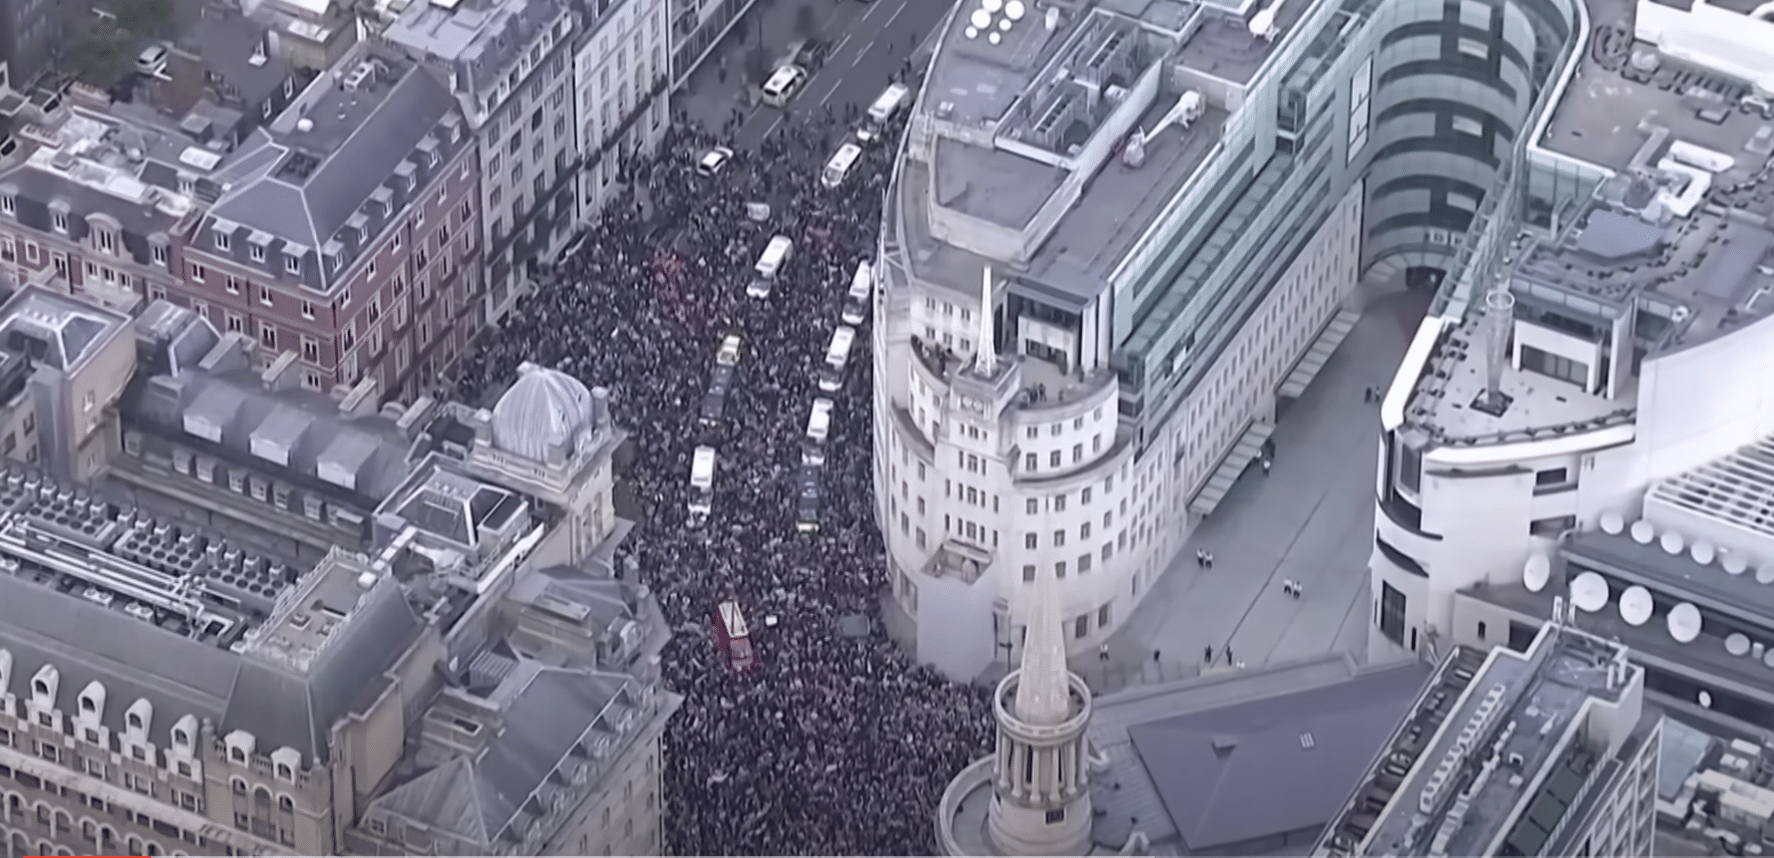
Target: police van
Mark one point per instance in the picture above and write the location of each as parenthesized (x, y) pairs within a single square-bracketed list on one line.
[(819, 427), (839, 165), (776, 254), (702, 484), (856, 301), (881, 112), (783, 84), (837, 357)]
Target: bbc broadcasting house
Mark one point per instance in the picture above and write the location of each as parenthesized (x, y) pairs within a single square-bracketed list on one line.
[(1164, 216)]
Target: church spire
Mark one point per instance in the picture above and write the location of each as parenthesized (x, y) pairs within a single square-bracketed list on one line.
[(986, 359), (1043, 692)]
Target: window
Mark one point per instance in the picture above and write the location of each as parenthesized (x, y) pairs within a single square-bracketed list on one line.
[(1392, 606), (1059, 569), (1081, 626), (1033, 505), (89, 401), (310, 350), (8, 205), (222, 240), (292, 264), (268, 334), (1030, 462), (1552, 477), (233, 284), (160, 253), (1481, 631), (308, 309), (1056, 816), (1549, 364), (257, 252), (58, 220), (265, 295), (1031, 541), (1053, 459), (1084, 496), (197, 273)]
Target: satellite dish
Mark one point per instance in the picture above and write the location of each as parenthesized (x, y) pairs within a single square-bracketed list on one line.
[(980, 19), (1015, 10), (1672, 542), (994, 38), (1636, 606), (1735, 564), (1589, 592), (1004, 24), (1737, 643), (971, 32), (991, 6), (1684, 622), (1643, 532), (1705, 699), (1536, 572), (1703, 552), (1765, 574), (1612, 524)]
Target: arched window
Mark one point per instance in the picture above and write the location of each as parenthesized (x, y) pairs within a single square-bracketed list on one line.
[(262, 803), (153, 848), (134, 844), (239, 787), (286, 804)]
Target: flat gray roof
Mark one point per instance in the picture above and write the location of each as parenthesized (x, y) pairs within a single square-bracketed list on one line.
[(1034, 88), (1597, 121), (1225, 48), (1540, 693)]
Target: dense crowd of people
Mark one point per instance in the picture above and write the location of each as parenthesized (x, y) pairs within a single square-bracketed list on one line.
[(836, 743)]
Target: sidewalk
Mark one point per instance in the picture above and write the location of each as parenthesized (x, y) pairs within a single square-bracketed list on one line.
[(709, 101)]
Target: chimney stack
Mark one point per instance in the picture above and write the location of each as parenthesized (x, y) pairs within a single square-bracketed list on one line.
[(1499, 321)]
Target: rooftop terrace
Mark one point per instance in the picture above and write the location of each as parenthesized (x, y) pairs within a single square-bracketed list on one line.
[(1028, 114), (1496, 755)]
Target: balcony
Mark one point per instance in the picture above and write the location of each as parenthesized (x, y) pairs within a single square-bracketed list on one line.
[(961, 561)]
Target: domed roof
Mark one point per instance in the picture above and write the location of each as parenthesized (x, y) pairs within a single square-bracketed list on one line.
[(544, 409)]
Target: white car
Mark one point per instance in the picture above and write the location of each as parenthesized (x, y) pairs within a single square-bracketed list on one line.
[(783, 84), (728, 353), (713, 160)]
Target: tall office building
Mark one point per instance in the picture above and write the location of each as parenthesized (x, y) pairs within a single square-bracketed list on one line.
[(509, 63), (1550, 751), (1173, 210)]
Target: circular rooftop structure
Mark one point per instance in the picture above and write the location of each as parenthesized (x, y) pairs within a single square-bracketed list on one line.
[(543, 410)]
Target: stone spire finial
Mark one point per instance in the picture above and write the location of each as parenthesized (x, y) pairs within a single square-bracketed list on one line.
[(1043, 691), (986, 359)]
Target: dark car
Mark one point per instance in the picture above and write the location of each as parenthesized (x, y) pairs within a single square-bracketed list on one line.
[(807, 500), (714, 402)]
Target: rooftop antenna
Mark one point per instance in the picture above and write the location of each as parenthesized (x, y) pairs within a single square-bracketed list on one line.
[(986, 360)]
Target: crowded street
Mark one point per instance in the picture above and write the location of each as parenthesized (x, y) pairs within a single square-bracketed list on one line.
[(836, 743)]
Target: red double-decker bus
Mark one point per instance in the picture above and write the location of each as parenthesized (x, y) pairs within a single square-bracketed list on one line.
[(734, 637)]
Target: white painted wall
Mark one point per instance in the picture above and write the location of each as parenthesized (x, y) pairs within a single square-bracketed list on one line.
[(1135, 519)]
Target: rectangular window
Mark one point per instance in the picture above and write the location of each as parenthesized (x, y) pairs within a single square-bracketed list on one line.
[(257, 252), (1549, 364), (1392, 607)]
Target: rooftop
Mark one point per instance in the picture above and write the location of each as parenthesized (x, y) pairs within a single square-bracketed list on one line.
[(1055, 88), (484, 43), (121, 161), (330, 173), (55, 330), (1497, 752), (1246, 756), (463, 528), (1680, 238)]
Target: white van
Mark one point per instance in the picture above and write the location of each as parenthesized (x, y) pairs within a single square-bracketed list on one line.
[(839, 166), (856, 301), (819, 427), (702, 484), (837, 357), (776, 254), (783, 84), (882, 110)]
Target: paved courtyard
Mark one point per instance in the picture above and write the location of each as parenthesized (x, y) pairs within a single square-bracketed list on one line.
[(1310, 519)]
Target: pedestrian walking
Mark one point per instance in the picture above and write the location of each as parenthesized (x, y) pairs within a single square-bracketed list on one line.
[(1207, 654), (1266, 465), (1228, 654)]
